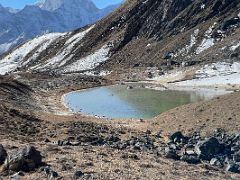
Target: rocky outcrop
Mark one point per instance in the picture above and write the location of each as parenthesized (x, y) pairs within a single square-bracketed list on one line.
[(26, 159), (208, 148)]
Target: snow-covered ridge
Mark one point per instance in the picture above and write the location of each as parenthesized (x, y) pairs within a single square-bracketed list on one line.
[(60, 58), (29, 55), (16, 58)]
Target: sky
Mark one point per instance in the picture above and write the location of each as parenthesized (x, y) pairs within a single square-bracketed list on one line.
[(19, 4)]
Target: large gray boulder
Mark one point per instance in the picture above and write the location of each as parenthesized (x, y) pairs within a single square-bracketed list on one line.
[(3, 154), (26, 159), (208, 148)]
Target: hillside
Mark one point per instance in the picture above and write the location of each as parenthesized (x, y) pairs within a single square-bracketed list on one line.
[(139, 35)]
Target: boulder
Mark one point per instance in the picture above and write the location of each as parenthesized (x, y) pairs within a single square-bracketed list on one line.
[(208, 148), (3, 154), (26, 159)]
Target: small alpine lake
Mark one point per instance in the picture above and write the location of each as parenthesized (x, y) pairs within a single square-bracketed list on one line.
[(119, 101)]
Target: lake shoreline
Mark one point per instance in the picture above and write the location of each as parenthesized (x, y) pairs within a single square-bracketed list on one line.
[(149, 85)]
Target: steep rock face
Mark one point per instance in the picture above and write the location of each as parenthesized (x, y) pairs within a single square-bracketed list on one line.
[(46, 16), (141, 34)]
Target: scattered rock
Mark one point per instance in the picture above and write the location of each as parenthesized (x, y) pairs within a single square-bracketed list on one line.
[(66, 167), (169, 55), (190, 159), (46, 140), (130, 87), (130, 156), (63, 143), (142, 120), (112, 139), (177, 137), (25, 160), (220, 149), (171, 154), (236, 157), (3, 154), (233, 168), (150, 75), (216, 162), (149, 132), (50, 173), (16, 176), (78, 174)]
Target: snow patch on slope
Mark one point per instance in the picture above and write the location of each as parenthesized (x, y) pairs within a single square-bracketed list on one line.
[(193, 40), (208, 41), (77, 37), (60, 58), (16, 59), (187, 49), (96, 73), (215, 74), (231, 79), (218, 69), (89, 62)]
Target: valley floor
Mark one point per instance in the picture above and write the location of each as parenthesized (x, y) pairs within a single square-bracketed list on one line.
[(32, 114)]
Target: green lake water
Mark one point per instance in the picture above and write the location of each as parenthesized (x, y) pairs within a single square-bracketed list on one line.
[(119, 102)]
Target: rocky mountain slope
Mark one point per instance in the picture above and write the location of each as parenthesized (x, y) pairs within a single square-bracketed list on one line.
[(139, 35), (46, 16), (142, 40)]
